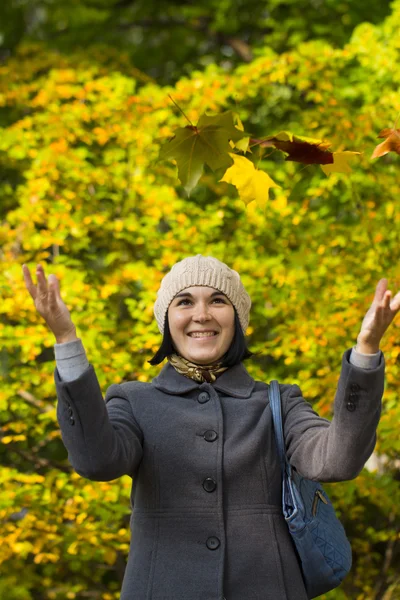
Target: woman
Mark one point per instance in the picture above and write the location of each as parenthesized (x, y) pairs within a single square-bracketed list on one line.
[(198, 440)]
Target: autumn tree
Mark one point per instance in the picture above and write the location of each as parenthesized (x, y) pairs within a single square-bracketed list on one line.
[(82, 192), (168, 40)]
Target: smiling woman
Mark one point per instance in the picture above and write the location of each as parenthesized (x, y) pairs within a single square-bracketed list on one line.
[(198, 442)]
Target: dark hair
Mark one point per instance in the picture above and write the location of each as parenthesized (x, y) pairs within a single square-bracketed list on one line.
[(237, 351)]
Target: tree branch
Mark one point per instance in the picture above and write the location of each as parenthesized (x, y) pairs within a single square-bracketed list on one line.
[(39, 404), (241, 48), (382, 580), (41, 462)]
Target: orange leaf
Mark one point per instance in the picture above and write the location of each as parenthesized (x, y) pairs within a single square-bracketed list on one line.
[(391, 144)]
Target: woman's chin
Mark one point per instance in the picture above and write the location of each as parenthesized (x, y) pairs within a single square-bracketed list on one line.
[(203, 358)]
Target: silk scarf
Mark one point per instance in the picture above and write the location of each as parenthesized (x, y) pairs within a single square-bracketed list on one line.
[(199, 373)]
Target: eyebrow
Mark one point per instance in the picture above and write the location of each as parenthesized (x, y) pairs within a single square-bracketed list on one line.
[(189, 295)]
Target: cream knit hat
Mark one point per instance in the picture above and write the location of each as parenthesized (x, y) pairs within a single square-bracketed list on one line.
[(206, 271)]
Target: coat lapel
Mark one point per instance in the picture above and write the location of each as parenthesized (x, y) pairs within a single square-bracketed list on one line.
[(236, 382)]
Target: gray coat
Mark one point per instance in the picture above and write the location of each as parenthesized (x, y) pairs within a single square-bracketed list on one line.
[(206, 520)]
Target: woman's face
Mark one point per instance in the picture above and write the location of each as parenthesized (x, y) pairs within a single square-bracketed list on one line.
[(200, 309)]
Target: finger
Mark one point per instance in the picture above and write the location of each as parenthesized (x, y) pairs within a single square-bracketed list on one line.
[(53, 288), (385, 302), (30, 286), (395, 303), (42, 283), (380, 290), (387, 297)]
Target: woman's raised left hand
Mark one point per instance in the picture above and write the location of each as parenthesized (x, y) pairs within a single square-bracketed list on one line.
[(378, 318)]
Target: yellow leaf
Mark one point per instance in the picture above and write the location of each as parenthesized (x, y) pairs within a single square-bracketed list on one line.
[(243, 144), (46, 557), (110, 556), (73, 548), (80, 518), (389, 209), (251, 183), (340, 163), (13, 438)]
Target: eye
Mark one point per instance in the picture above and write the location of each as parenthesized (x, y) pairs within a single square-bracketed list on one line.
[(181, 301), (214, 300)]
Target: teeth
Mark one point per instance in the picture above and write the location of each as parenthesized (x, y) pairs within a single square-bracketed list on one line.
[(198, 335)]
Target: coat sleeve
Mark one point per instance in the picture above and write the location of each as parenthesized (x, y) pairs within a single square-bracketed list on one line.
[(102, 437), (335, 450)]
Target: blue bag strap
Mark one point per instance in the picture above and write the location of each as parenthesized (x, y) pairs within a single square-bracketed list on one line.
[(276, 409)]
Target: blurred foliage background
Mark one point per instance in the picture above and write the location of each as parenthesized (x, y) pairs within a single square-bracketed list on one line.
[(84, 108)]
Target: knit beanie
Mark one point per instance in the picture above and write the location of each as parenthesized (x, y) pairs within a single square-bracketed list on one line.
[(205, 271)]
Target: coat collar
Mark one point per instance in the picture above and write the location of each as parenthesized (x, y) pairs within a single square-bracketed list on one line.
[(236, 382)]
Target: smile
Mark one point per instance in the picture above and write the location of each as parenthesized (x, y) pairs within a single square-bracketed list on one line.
[(199, 336)]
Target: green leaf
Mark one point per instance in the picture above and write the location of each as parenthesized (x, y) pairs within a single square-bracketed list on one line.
[(204, 143)]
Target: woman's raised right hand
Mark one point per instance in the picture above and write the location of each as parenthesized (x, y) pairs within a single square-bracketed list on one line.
[(49, 304)]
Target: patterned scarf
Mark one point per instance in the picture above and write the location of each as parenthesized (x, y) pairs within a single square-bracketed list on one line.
[(199, 373)]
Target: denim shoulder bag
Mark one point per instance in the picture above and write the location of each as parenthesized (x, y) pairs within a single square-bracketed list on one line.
[(319, 537)]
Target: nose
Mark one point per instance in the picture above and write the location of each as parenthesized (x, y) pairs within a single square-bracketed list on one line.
[(202, 313)]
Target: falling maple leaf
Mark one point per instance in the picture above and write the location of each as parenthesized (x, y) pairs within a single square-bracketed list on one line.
[(205, 143), (309, 151), (302, 149), (340, 162), (391, 143), (251, 183)]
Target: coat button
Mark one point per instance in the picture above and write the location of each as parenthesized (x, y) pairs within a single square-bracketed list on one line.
[(354, 387), (213, 543), (72, 420), (209, 484), (70, 412), (351, 406), (210, 435), (203, 397)]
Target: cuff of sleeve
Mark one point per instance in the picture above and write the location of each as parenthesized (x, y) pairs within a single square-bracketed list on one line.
[(71, 360), (364, 361), (69, 349)]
